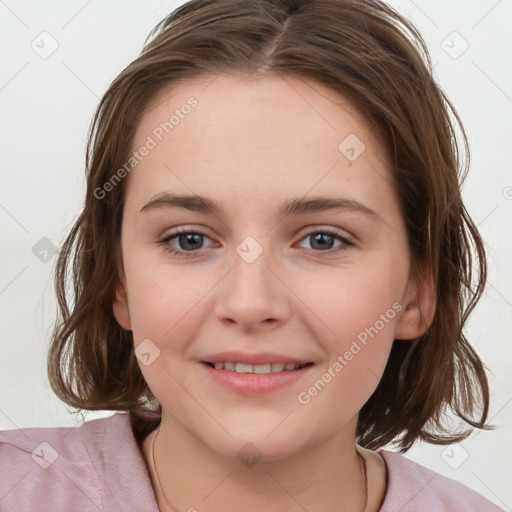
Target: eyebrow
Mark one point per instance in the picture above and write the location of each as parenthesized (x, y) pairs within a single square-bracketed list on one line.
[(291, 207)]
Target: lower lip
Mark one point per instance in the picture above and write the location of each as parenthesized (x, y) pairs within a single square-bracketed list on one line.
[(254, 383)]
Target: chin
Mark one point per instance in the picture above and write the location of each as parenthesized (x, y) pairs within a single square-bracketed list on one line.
[(257, 442), (250, 450)]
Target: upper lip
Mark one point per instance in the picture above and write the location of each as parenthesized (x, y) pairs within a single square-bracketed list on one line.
[(252, 358)]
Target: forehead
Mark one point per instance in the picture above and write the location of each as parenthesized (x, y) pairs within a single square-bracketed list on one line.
[(238, 136)]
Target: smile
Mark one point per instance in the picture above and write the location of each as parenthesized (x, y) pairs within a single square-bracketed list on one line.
[(256, 368), (244, 378)]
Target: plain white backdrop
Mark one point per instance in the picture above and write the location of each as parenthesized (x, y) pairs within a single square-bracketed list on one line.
[(59, 57)]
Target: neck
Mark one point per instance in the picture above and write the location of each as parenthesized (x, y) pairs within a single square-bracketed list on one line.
[(186, 475)]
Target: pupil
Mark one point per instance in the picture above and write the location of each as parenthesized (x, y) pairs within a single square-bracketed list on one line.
[(190, 238), (321, 239)]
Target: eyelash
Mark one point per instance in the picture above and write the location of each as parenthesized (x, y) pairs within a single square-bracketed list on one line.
[(346, 242)]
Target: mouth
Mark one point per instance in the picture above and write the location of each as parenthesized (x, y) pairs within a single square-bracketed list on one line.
[(255, 374), (259, 369)]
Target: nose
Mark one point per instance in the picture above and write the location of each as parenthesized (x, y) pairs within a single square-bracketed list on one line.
[(253, 296)]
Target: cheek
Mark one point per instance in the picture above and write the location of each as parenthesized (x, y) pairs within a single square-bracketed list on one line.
[(163, 298), (361, 314), (349, 301), (358, 309), (169, 306)]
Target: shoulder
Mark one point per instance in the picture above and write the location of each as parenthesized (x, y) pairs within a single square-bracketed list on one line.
[(77, 468), (413, 488)]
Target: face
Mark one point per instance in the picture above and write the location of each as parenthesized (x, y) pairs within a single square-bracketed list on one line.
[(292, 252)]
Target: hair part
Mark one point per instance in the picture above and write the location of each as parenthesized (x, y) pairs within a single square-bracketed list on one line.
[(374, 57)]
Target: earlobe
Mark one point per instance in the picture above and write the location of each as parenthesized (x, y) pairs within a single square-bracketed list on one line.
[(419, 309), (120, 307)]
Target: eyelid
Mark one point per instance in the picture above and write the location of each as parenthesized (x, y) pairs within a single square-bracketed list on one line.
[(184, 229), (305, 230), (314, 228)]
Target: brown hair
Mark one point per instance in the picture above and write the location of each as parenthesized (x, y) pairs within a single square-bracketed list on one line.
[(373, 56)]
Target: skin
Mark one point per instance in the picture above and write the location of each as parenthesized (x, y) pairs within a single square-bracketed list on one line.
[(251, 144)]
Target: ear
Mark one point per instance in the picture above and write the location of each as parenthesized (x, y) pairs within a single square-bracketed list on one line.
[(120, 306), (420, 305)]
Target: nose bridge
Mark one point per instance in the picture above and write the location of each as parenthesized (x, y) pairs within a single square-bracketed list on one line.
[(250, 276), (251, 294)]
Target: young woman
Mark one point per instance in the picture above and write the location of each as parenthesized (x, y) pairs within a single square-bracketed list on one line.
[(271, 276)]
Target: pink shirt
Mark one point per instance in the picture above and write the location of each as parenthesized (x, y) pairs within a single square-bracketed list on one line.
[(98, 466)]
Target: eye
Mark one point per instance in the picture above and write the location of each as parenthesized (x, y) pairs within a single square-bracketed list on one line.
[(322, 241), (188, 242)]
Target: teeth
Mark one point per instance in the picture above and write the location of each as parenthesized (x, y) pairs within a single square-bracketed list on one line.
[(244, 368), (262, 368), (257, 368)]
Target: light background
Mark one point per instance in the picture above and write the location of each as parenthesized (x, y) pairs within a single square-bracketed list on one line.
[(46, 105)]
